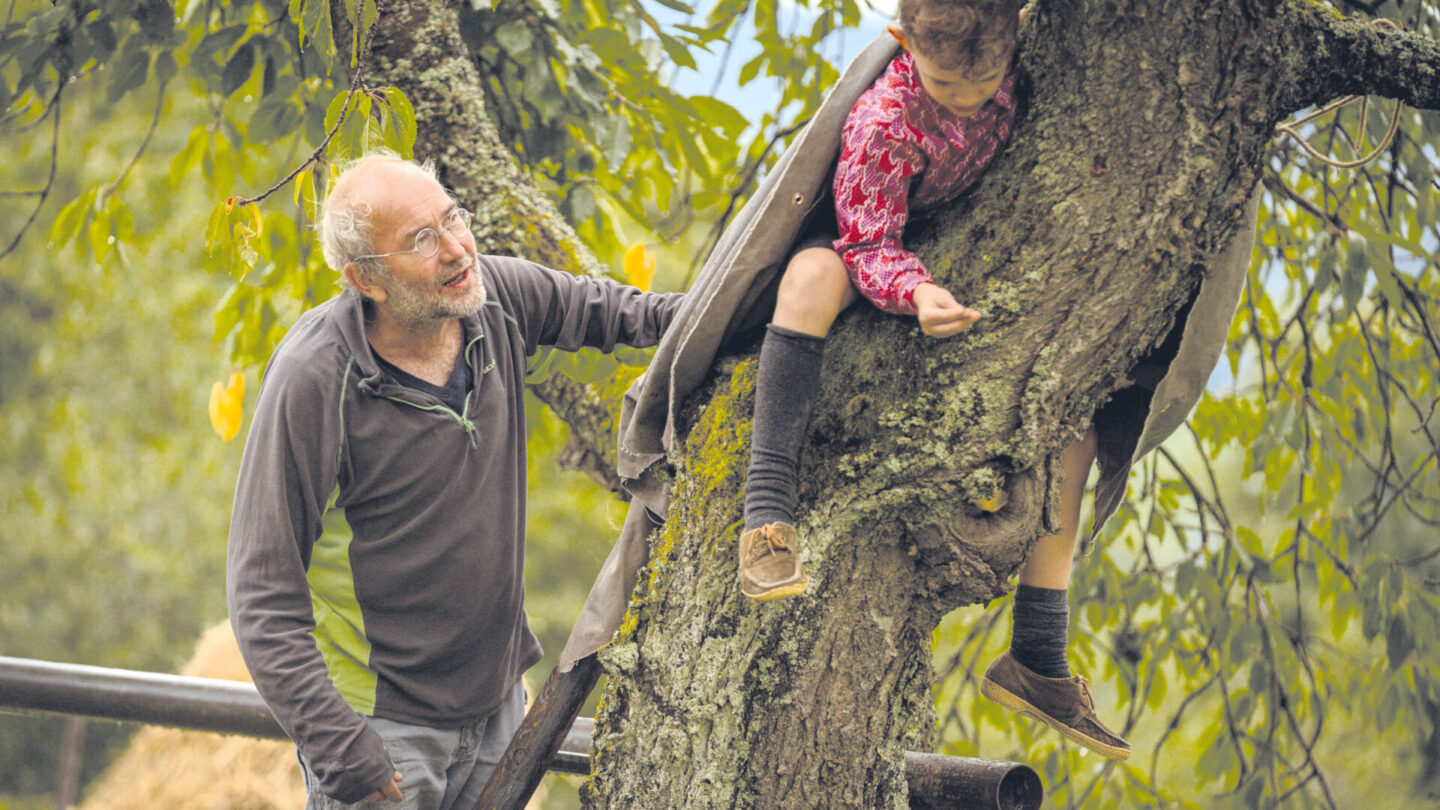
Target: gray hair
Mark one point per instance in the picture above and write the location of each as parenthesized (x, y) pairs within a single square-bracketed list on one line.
[(346, 231)]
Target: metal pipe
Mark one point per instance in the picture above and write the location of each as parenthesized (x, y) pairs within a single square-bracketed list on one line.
[(233, 707), (940, 783), (180, 701), (201, 704)]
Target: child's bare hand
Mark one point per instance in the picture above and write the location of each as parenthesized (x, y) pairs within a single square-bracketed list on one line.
[(940, 315)]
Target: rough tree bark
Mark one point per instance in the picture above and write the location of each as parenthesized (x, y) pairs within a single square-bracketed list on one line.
[(1142, 132)]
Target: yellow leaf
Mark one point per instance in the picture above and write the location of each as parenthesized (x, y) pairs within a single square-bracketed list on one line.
[(639, 266), (227, 406)]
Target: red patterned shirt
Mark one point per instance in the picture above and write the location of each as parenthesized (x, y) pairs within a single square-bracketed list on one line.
[(900, 148)]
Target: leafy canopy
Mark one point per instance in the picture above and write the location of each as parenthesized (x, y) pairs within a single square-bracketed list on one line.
[(1271, 593)]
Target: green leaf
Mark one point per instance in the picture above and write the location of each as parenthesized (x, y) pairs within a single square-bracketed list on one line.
[(72, 219), (400, 120), (1327, 265), (1399, 643), (1217, 760), (239, 68), (219, 238), (678, 52), (1250, 541), (515, 38), (314, 20), (102, 37), (617, 144), (129, 72), (157, 20), (355, 132), (336, 108), (165, 67), (273, 120), (185, 161), (215, 47), (1388, 710), (716, 113), (750, 70), (1357, 267), (232, 308)]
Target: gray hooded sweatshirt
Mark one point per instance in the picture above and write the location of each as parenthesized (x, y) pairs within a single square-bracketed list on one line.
[(377, 540)]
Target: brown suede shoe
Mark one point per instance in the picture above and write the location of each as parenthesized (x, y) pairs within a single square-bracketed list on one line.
[(770, 563), (1064, 704)]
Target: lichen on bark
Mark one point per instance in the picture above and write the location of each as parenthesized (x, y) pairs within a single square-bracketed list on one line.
[(1141, 136)]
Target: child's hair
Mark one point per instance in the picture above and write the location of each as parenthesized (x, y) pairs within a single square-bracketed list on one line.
[(961, 34)]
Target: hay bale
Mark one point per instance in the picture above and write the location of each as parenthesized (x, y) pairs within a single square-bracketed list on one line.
[(170, 769)]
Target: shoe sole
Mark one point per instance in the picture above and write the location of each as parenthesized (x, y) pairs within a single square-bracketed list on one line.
[(1019, 705), (778, 592)]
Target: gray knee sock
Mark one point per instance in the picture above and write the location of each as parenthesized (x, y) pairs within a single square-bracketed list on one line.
[(785, 387), (1041, 629)]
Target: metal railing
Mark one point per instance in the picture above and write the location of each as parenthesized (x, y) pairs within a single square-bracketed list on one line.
[(232, 707)]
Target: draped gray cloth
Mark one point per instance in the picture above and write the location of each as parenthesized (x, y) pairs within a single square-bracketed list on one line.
[(734, 293)]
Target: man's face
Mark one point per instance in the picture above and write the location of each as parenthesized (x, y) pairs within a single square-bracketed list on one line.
[(419, 289), (961, 91)]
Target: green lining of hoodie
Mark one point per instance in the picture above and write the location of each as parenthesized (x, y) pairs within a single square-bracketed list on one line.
[(339, 622)]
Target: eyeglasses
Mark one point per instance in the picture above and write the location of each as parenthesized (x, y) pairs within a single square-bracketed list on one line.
[(427, 241)]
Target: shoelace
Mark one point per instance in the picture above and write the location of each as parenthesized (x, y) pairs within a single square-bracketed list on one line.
[(767, 542), (1089, 698)]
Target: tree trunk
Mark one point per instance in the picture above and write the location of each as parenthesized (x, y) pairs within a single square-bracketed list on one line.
[(1141, 135), (418, 48)]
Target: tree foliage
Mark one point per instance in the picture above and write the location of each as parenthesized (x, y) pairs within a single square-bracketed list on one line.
[(1269, 596)]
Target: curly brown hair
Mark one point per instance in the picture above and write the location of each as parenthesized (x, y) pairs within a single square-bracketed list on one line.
[(961, 34)]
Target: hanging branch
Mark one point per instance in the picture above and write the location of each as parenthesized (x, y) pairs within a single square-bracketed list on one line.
[(317, 155), (44, 193), (115, 184)]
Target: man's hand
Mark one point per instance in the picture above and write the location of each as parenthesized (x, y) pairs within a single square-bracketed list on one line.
[(391, 790), (940, 315)]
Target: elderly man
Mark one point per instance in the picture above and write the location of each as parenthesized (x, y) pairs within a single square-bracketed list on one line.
[(377, 540)]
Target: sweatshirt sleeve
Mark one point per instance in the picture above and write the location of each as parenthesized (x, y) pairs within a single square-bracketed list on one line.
[(877, 165), (568, 312), (287, 474)]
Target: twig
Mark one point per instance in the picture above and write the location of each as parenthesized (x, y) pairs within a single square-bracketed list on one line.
[(49, 181), (344, 111), (723, 220), (144, 143), (1278, 187)]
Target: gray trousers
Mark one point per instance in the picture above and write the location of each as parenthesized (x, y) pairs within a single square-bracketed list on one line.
[(444, 768)]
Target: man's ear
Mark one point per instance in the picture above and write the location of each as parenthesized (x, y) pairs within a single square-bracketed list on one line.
[(899, 33), (363, 282)]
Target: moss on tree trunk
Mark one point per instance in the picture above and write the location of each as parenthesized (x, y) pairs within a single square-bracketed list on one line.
[(1140, 138), (1141, 135)]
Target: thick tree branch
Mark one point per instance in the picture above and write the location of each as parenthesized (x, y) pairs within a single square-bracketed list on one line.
[(419, 49), (1337, 56)]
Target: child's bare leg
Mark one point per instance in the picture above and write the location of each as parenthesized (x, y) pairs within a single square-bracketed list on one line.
[(1050, 562), (1034, 676), (1042, 601), (813, 291)]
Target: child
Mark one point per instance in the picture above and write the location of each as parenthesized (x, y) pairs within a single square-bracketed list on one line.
[(920, 136)]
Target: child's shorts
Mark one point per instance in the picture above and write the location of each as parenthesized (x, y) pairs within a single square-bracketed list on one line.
[(815, 239), (818, 231)]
